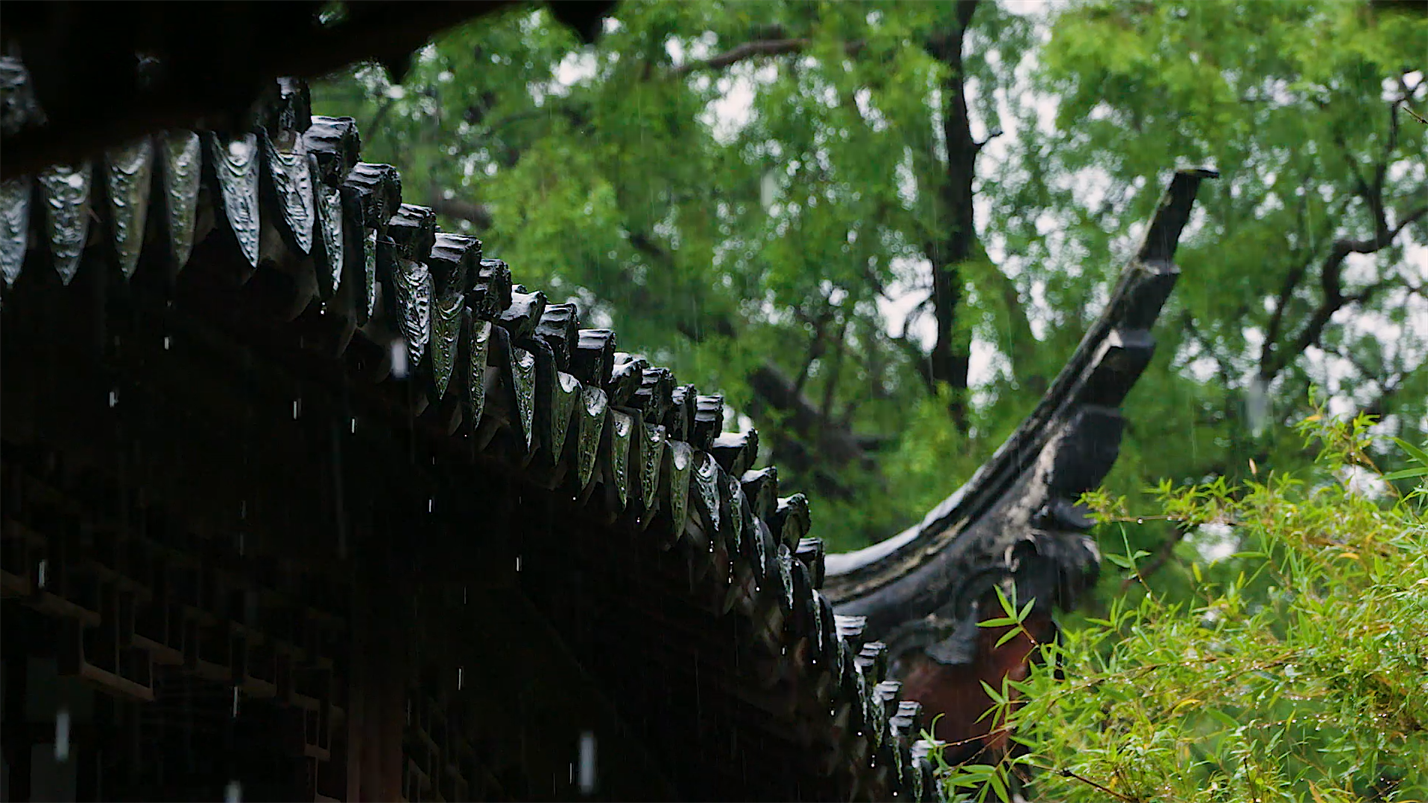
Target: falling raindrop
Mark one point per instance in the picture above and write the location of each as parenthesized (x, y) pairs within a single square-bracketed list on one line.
[(354, 426), (241, 543), (768, 190), (518, 563), (297, 408), (463, 595), (235, 702), (431, 505), (166, 342), (460, 676), (1257, 406), (113, 397), (587, 763), (43, 579), (62, 735), (243, 509), (399, 358), (234, 793)]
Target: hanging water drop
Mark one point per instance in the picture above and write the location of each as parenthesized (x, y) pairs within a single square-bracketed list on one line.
[(1140, 521)]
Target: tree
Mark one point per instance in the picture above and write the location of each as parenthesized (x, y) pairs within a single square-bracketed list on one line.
[(768, 247), (769, 179), (1304, 676), (1308, 268)]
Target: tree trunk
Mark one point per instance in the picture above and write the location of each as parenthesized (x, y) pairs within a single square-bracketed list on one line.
[(948, 249)]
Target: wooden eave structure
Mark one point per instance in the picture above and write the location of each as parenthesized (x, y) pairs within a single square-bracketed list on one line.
[(264, 424), (148, 66), (1016, 524)]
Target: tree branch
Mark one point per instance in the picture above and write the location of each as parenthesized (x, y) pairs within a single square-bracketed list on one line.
[(815, 348), (949, 249), (825, 442), (836, 446), (757, 49), (1331, 282), (918, 359), (1292, 279), (1163, 553), (830, 386), (743, 52), (476, 214)]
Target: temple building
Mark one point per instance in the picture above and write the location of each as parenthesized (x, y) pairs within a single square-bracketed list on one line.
[(306, 499)]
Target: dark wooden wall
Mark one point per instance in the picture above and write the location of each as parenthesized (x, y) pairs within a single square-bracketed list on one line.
[(188, 511)]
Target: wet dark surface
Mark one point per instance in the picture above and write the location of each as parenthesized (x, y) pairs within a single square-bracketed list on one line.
[(223, 452)]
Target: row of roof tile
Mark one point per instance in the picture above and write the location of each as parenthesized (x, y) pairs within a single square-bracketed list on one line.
[(535, 390)]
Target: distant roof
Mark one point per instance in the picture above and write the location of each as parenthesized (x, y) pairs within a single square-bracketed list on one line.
[(1017, 521)]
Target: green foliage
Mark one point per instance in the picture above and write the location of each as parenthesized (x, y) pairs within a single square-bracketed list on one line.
[(717, 248), (1300, 107), (1302, 676), (775, 238)]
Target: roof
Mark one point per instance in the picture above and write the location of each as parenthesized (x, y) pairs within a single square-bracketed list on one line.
[(1016, 523), (149, 66), (502, 371)]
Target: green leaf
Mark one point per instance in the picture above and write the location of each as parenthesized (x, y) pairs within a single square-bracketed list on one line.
[(1413, 451)]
